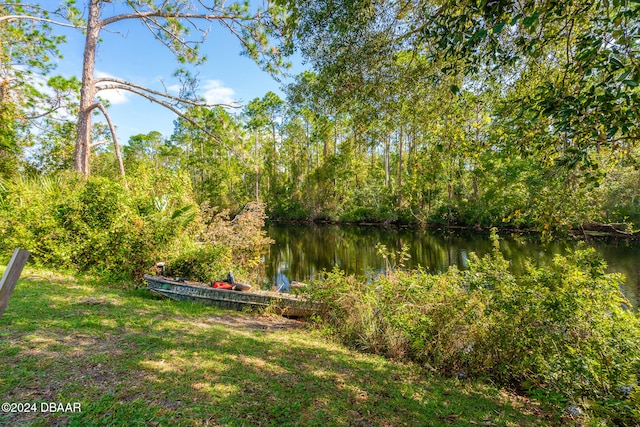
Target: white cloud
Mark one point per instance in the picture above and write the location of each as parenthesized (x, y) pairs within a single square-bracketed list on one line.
[(113, 96), (173, 89), (216, 93)]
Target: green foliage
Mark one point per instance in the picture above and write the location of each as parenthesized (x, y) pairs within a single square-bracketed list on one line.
[(220, 243), (213, 155), (244, 235), (565, 329), (524, 118), (28, 55), (488, 127), (203, 263), (579, 58), (98, 225)]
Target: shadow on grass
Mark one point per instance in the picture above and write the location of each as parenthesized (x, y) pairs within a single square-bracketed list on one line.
[(132, 359)]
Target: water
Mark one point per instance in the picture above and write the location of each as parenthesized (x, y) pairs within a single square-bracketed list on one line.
[(301, 253)]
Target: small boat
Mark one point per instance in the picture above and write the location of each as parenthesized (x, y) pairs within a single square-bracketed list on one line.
[(183, 290)]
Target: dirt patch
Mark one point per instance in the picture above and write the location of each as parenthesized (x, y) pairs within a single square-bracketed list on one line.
[(267, 323)]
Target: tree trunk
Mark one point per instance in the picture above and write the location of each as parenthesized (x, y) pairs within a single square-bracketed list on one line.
[(274, 166), (387, 166), (400, 153), (255, 153), (87, 92)]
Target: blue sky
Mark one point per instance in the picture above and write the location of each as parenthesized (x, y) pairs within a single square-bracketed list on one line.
[(129, 51)]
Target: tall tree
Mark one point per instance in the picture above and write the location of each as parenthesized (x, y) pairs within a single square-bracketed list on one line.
[(263, 118), (171, 23), (216, 154), (27, 47)]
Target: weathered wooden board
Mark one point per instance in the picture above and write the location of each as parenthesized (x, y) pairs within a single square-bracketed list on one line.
[(11, 276)]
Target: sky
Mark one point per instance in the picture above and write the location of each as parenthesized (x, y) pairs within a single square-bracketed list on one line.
[(128, 51)]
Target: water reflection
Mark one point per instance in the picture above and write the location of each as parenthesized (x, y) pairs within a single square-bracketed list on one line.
[(300, 253)]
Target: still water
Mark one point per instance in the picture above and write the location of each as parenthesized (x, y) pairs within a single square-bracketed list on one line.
[(301, 253)]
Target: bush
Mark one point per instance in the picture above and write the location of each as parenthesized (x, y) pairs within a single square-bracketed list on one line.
[(244, 235), (225, 244), (566, 330), (97, 224), (203, 263)]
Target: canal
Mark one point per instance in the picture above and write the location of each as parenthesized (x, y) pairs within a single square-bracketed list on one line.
[(301, 252)]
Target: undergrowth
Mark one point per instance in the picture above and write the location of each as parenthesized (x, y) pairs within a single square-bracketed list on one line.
[(564, 334), (119, 230)]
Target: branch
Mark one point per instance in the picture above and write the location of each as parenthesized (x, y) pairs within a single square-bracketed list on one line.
[(160, 14), (45, 113), (179, 113), (116, 146), (92, 107), (237, 34), (596, 226), (156, 28), (169, 33), (35, 18), (125, 85)]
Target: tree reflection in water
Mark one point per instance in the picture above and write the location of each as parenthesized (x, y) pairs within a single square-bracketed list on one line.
[(301, 252)]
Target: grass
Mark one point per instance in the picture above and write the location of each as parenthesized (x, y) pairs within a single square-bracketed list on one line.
[(130, 358)]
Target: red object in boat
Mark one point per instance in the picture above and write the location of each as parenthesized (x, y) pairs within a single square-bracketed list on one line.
[(222, 285)]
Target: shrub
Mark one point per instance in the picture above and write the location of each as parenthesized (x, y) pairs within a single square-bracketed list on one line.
[(97, 224), (244, 235), (203, 263), (566, 330)]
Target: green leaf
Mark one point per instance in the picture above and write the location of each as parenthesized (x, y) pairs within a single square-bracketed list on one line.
[(497, 29), (616, 63), (631, 83), (624, 75), (479, 34), (529, 20), (455, 89)]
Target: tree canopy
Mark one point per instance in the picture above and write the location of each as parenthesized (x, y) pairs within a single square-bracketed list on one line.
[(513, 113), (583, 55)]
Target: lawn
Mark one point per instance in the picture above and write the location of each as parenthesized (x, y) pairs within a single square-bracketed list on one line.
[(126, 357)]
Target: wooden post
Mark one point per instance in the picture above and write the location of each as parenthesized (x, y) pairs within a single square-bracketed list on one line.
[(11, 276)]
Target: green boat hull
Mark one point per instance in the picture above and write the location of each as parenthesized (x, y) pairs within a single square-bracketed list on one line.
[(284, 305)]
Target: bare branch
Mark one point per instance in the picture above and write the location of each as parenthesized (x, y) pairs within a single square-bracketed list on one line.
[(35, 18), (44, 113), (157, 37), (125, 85), (161, 14), (180, 114), (112, 129), (155, 27), (92, 107)]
